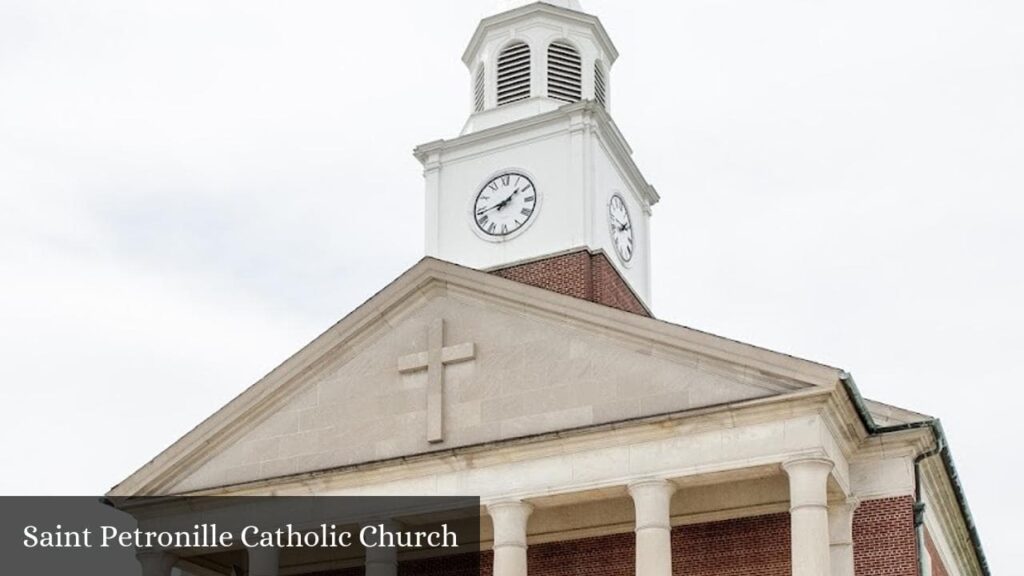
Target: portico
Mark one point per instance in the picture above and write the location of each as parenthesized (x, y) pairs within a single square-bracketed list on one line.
[(588, 433), (649, 480)]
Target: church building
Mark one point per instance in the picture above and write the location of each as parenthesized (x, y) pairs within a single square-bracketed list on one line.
[(519, 362)]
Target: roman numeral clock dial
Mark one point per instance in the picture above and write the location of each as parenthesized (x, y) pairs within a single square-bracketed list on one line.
[(504, 206), (621, 228)]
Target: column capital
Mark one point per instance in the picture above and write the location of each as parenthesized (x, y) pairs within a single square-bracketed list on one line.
[(808, 481), (509, 505), (808, 464), (652, 498), (808, 512), (509, 518), (156, 562), (650, 484)]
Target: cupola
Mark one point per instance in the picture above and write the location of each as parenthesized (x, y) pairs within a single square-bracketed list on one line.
[(536, 57)]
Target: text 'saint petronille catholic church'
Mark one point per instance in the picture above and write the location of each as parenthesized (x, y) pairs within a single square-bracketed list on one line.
[(520, 362)]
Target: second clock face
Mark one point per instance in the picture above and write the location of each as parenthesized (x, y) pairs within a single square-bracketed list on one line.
[(621, 227), (505, 204)]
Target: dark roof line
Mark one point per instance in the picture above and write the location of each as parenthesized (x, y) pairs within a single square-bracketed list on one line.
[(942, 448)]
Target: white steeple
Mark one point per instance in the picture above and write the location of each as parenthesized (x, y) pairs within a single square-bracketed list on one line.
[(539, 168)]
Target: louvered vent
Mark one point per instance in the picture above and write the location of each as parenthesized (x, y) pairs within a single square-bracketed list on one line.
[(478, 90), (600, 87), (564, 72), (514, 73)]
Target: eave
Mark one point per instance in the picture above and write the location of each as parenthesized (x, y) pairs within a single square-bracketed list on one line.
[(524, 12), (609, 133)]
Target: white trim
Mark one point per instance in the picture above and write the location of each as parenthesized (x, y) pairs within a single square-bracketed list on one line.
[(524, 12), (608, 133)]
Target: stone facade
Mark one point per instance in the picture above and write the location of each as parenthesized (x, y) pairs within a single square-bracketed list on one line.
[(597, 439)]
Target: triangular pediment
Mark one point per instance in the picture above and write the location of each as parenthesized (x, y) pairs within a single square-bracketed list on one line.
[(523, 361)]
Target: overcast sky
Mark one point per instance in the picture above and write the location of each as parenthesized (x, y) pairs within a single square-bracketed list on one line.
[(192, 190)]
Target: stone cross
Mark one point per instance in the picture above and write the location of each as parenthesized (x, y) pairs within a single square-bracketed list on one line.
[(434, 361)]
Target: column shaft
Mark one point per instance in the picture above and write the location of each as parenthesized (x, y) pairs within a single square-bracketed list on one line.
[(840, 524), (808, 511), (509, 518), (381, 560), (264, 561), (651, 500)]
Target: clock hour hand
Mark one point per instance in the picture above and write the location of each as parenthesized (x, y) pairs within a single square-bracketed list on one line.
[(499, 205)]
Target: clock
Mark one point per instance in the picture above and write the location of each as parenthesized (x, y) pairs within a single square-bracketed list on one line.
[(621, 228), (504, 206)]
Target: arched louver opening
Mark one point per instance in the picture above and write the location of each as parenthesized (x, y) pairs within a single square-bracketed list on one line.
[(478, 89), (600, 85), (565, 70), (514, 73)]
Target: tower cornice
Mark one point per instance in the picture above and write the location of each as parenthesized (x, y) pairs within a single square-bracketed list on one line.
[(586, 111), (524, 12)]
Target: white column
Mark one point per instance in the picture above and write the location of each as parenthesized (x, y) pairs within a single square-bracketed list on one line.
[(264, 561), (651, 499), (156, 562), (808, 513), (840, 529), (509, 518), (381, 560)]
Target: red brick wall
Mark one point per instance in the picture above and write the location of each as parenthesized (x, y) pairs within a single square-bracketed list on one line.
[(579, 274), (883, 533), (610, 289), (754, 546), (566, 274), (884, 543), (611, 555), (453, 565)]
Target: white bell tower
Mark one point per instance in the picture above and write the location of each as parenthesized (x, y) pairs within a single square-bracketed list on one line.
[(540, 168)]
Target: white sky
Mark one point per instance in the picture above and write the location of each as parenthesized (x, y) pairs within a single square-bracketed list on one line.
[(192, 190)]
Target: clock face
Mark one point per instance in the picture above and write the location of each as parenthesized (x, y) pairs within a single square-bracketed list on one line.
[(504, 205), (621, 227)]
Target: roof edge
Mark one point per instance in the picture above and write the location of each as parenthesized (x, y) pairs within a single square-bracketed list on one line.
[(941, 448)]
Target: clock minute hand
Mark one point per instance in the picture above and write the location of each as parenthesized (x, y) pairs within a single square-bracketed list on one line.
[(499, 204)]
